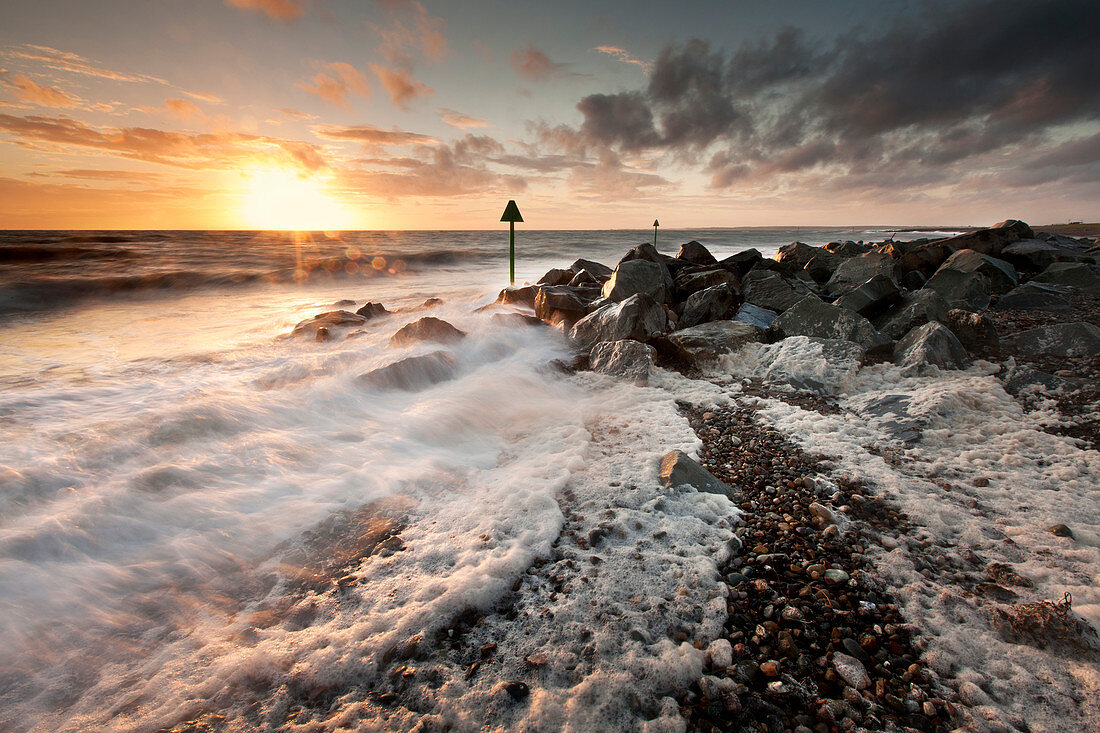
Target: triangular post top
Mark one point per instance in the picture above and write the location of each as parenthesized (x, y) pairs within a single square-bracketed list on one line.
[(656, 223), (511, 213)]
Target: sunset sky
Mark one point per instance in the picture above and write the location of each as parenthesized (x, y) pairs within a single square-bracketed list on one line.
[(431, 114)]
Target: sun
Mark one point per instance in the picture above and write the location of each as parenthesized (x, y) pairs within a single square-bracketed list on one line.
[(280, 199)]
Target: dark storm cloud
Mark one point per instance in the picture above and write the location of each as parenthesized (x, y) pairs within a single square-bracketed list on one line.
[(948, 84)]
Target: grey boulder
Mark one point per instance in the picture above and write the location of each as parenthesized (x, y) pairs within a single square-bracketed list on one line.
[(1060, 339), (711, 304), (812, 317), (933, 343), (563, 304), (1082, 276), (872, 297), (1002, 275), (975, 332), (638, 317), (639, 276), (771, 290), (1035, 296), (427, 329), (629, 359), (413, 373), (696, 253), (755, 315), (969, 290), (707, 341), (916, 309), (854, 271)]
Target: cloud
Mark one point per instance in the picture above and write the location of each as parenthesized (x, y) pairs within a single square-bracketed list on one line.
[(213, 151), (284, 10), (534, 65), (400, 85), (95, 174), (620, 54), (935, 97), (183, 110), (28, 91), (52, 58), (372, 136), (336, 82), (413, 34), (461, 121)]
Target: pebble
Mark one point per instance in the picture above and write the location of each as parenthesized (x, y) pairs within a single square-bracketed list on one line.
[(1061, 530), (517, 690), (770, 668), (720, 653), (851, 670), (836, 575)]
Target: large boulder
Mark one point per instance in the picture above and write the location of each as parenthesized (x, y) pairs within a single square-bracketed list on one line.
[(968, 290), (689, 281), (1036, 296), (812, 317), (704, 343), (1082, 276), (639, 276), (329, 320), (854, 271), (771, 290), (1033, 255), (711, 304), (630, 359), (975, 331), (991, 241), (427, 329), (372, 310), (1002, 276), (644, 251), (1060, 339), (740, 263), (563, 304), (755, 315), (796, 255), (696, 253), (822, 266), (915, 309), (803, 363), (521, 295), (925, 259), (413, 373), (872, 297), (557, 277), (933, 343), (677, 469), (599, 272), (638, 317), (847, 248)]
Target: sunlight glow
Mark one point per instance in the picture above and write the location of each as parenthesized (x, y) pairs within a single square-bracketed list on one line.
[(281, 199)]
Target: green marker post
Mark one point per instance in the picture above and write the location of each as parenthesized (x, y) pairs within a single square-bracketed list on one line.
[(511, 215), (655, 225)]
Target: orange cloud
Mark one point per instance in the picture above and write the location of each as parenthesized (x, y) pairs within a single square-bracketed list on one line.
[(284, 10), (372, 136), (400, 84), (419, 34), (534, 65), (336, 83), (621, 54), (27, 91), (461, 121), (178, 149), (52, 58), (184, 110)]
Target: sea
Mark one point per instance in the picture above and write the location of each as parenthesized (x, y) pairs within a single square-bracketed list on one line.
[(206, 524)]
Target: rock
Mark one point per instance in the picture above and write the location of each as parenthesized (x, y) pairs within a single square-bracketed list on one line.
[(890, 414), (772, 291), (412, 373), (707, 341), (584, 278), (427, 329), (562, 304), (513, 320), (812, 317), (913, 280), (855, 271), (835, 576), (695, 253), (677, 469), (851, 670), (806, 364), (639, 276), (627, 358), (968, 290), (847, 248), (1035, 296), (932, 343), (1082, 276), (822, 516), (925, 259), (638, 317), (712, 304), (757, 316), (740, 263), (372, 310), (720, 654), (517, 690), (991, 241), (975, 332), (1033, 255), (1060, 530), (821, 266), (1060, 339), (797, 256), (689, 281), (599, 272), (1019, 378), (557, 277), (915, 309), (524, 295), (872, 297), (1002, 276), (431, 303), (328, 321)]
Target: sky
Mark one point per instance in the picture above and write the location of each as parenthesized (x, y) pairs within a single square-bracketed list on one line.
[(432, 114)]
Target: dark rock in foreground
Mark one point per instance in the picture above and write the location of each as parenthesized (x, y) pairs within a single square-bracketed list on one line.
[(812, 317), (704, 343), (677, 469), (933, 343), (327, 321), (1060, 339), (627, 358), (638, 317)]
